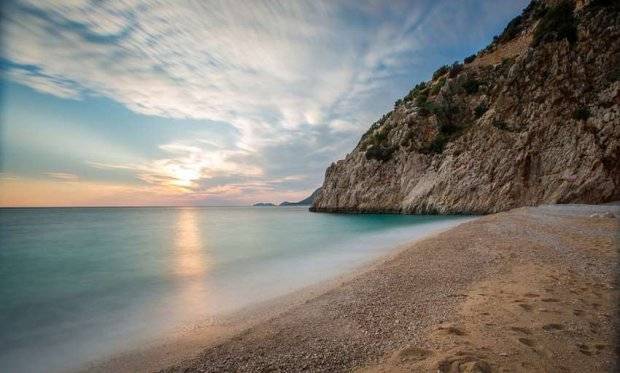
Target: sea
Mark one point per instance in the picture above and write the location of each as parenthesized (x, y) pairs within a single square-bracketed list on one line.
[(83, 284)]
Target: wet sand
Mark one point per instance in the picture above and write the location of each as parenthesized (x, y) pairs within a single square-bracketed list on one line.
[(532, 289)]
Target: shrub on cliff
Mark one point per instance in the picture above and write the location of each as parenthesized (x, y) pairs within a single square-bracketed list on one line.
[(437, 86), (504, 126), (603, 3), (419, 89), (470, 59), (614, 74), (438, 144), (558, 23), (445, 111), (455, 69), (426, 108), (581, 113), (471, 86), (514, 27), (536, 9), (421, 99), (441, 71), (380, 152), (480, 110), (368, 136)]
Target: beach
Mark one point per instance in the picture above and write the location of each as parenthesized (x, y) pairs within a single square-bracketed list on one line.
[(531, 289)]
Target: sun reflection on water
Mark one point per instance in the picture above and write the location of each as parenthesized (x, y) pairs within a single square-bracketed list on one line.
[(191, 263)]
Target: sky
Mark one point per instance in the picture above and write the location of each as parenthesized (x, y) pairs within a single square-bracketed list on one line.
[(130, 103)]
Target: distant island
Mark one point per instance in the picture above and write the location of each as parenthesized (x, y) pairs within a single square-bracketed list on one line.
[(304, 202), (308, 201)]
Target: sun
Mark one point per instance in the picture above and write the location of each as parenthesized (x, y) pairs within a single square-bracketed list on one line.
[(184, 176)]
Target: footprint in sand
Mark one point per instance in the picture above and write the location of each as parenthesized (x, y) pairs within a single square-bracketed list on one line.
[(526, 341), (594, 326), (521, 330), (463, 362), (553, 327), (452, 330), (577, 312), (584, 349), (411, 354)]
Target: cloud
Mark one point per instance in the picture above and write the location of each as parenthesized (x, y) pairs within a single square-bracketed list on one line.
[(299, 80), (258, 66), (63, 176), (187, 163)]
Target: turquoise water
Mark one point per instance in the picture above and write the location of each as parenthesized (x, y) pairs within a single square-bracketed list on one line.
[(78, 284)]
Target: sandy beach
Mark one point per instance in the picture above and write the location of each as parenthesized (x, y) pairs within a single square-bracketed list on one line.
[(532, 289)]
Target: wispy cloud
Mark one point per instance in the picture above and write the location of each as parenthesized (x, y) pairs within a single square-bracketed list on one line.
[(297, 79), (186, 164), (64, 176)]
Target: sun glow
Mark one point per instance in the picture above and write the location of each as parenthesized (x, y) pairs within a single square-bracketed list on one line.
[(184, 176)]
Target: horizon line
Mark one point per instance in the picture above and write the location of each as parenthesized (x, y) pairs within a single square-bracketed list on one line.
[(136, 206)]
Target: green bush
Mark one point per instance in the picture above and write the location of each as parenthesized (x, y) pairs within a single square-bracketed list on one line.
[(371, 136), (426, 109), (558, 23), (445, 112), (471, 86), (441, 71), (420, 100), (448, 128), (603, 3), (614, 74), (419, 89), (514, 27), (439, 143), (379, 137), (480, 110), (502, 125), (536, 8), (470, 59), (380, 152), (368, 133), (437, 86), (507, 61), (455, 69), (581, 113)]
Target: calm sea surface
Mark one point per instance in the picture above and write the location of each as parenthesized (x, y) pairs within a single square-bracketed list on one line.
[(78, 284)]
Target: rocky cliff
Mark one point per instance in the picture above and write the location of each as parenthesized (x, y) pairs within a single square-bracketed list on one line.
[(533, 118)]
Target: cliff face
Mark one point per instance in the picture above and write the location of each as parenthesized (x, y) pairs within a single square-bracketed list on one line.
[(533, 119)]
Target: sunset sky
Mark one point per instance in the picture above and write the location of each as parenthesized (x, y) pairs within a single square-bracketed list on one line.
[(209, 102)]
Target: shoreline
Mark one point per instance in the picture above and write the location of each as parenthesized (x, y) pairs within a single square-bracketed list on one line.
[(531, 288), (182, 345)]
